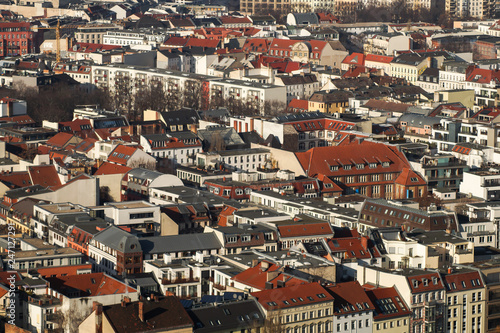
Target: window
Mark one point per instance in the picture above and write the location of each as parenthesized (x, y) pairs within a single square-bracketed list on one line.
[(141, 215)]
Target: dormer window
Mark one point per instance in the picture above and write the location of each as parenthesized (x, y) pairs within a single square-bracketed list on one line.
[(435, 280), (373, 165), (426, 282), (360, 166), (347, 167), (415, 283), (334, 168), (385, 164)]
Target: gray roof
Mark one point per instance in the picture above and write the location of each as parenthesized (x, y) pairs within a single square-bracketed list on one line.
[(118, 239), (232, 316), (145, 173), (180, 243), (418, 120), (306, 18)]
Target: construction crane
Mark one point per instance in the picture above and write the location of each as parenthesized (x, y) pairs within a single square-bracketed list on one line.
[(58, 40)]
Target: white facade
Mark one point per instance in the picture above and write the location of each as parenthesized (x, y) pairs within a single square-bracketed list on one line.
[(131, 213), (484, 185), (132, 38)]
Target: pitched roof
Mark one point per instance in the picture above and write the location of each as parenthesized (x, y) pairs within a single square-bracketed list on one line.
[(15, 179), (420, 283), (462, 281), (180, 243), (111, 169), (118, 239), (257, 276), (334, 161), (293, 296), (121, 154), (378, 58), (301, 104), (386, 106), (88, 285), (59, 140), (354, 59), (409, 177), (163, 315), (388, 303), (44, 175), (350, 298), (305, 229)]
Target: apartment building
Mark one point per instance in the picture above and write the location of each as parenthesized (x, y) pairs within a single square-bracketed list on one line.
[(247, 160), (376, 213), (94, 33), (484, 184), (116, 252), (308, 308), (466, 300), (423, 290)]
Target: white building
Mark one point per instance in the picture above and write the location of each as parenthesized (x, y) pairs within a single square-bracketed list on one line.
[(248, 160), (481, 184)]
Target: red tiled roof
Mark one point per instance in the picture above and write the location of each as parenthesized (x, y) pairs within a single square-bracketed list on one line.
[(92, 47), (388, 303), (425, 282), (60, 270), (319, 160), (15, 179), (95, 284), (291, 296), (352, 248), (234, 20), (111, 169), (21, 120), (256, 45), (59, 140), (354, 59), (301, 104), (461, 150), (257, 276), (44, 175), (378, 58), (305, 229), (348, 295), (458, 281), (409, 177), (121, 154), (202, 42)]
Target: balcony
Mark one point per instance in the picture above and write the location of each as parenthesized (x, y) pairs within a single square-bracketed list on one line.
[(166, 281), (490, 183), (219, 286), (463, 251)]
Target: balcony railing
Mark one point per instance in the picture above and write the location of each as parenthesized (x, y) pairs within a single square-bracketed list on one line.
[(219, 286), (165, 281)]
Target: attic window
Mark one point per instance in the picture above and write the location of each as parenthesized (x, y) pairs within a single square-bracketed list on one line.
[(334, 168), (271, 303), (310, 298), (226, 312), (321, 295), (286, 302), (373, 165), (385, 164), (415, 283), (426, 282), (414, 179), (463, 284), (473, 283), (435, 280), (360, 166), (347, 167)]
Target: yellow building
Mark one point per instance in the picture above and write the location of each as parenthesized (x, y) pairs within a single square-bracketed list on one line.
[(466, 301), (335, 101), (304, 308)]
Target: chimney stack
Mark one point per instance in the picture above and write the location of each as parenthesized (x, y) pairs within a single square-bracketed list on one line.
[(97, 307), (141, 311)]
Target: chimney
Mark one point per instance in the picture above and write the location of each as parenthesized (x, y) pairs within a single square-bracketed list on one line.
[(450, 270), (141, 311), (97, 308), (272, 275), (364, 242), (255, 262)]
